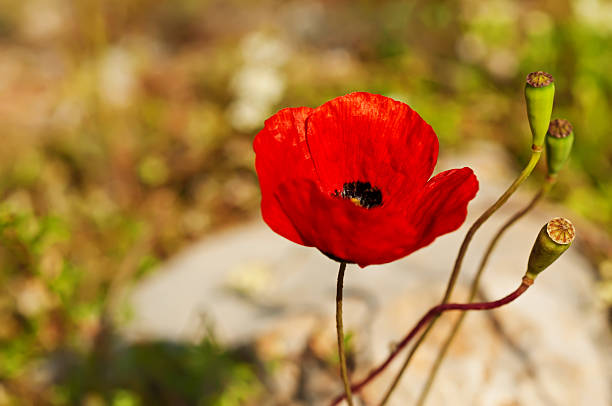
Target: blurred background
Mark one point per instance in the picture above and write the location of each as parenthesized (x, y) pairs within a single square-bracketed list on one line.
[(126, 129)]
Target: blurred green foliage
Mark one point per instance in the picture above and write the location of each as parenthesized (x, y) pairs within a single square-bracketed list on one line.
[(159, 373), (127, 129)]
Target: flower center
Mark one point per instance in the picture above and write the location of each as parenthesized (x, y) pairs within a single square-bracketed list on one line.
[(362, 194)]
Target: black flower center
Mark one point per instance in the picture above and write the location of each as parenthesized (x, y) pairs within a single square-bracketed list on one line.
[(363, 194)]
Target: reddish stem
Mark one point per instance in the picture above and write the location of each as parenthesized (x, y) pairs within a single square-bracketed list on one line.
[(433, 312)]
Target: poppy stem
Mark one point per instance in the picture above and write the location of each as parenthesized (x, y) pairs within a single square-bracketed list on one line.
[(476, 282), (340, 334), (536, 152), (432, 313)]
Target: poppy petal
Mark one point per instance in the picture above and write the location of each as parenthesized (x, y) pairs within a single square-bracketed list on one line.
[(281, 154), (367, 137), (344, 230), (443, 203)]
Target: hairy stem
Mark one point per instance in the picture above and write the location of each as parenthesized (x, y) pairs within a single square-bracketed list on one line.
[(536, 152), (340, 334), (435, 312), (475, 285)]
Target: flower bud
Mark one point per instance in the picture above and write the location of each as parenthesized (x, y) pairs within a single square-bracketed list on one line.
[(539, 96), (559, 142), (553, 240)]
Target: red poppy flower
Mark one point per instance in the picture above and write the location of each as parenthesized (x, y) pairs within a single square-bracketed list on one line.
[(351, 178)]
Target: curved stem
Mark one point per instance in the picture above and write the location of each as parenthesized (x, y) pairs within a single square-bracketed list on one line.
[(536, 152), (475, 285), (434, 312), (413, 350), (340, 334), (535, 156)]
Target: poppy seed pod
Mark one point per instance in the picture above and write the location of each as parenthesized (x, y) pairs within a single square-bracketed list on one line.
[(539, 96), (553, 240), (559, 142)]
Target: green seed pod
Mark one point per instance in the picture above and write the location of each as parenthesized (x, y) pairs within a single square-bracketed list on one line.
[(559, 142), (553, 240), (539, 96)]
